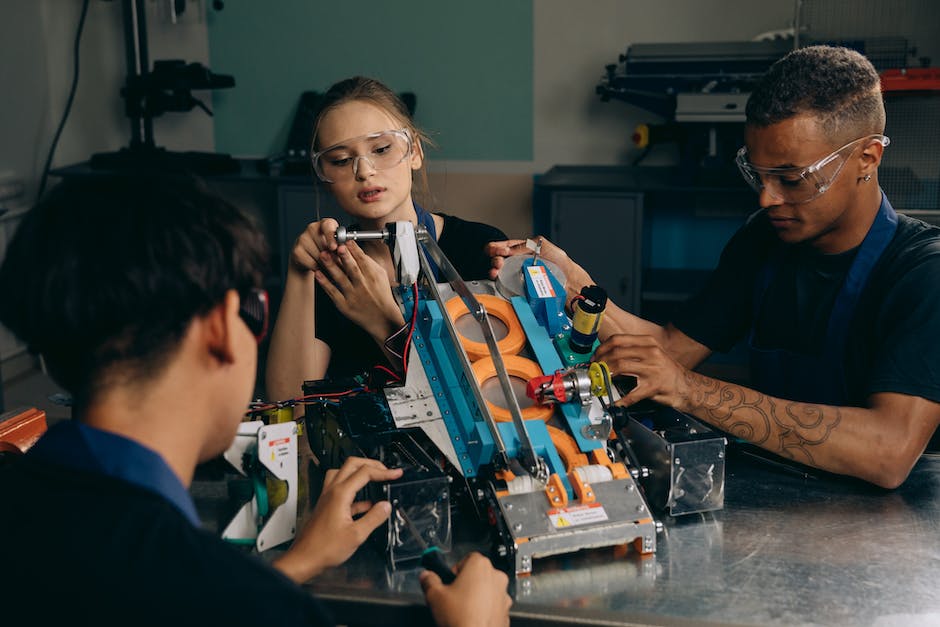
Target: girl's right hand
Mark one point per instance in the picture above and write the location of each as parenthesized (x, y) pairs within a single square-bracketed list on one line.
[(317, 237)]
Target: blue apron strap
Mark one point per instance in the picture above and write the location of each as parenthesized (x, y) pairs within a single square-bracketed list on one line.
[(821, 378), (876, 241), (427, 221)]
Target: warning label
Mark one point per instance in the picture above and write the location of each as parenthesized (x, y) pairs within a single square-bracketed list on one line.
[(279, 448), (541, 282), (580, 515)]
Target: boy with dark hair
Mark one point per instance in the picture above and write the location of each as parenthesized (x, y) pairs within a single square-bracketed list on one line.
[(143, 295), (836, 294)]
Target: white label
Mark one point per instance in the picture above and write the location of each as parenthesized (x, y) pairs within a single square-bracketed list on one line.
[(279, 448), (541, 282), (580, 515)]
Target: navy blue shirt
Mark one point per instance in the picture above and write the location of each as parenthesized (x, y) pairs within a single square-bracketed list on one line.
[(75, 445)]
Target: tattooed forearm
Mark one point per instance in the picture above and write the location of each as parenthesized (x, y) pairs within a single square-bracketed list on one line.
[(785, 427)]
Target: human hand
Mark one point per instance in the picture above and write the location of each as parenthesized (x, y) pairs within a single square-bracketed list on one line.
[(331, 535), (658, 375), (359, 287), (576, 277), (317, 237), (498, 251), (477, 597)]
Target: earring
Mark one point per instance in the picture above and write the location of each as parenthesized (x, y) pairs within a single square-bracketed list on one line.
[(867, 178)]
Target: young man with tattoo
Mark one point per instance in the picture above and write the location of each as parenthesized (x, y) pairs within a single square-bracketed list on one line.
[(837, 296)]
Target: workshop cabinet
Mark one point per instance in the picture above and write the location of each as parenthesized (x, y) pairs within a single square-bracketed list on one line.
[(603, 232)]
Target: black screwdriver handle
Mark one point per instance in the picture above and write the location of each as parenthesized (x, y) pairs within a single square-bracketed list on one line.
[(433, 560)]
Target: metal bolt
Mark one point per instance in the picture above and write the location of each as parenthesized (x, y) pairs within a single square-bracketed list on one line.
[(630, 487), (721, 455), (502, 551), (508, 507), (555, 499), (430, 413), (551, 488), (590, 495), (480, 495), (639, 508), (517, 527), (678, 461)]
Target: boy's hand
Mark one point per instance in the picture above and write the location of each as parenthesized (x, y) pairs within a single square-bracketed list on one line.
[(477, 597), (331, 535)]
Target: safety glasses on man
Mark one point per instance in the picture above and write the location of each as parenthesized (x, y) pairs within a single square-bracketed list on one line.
[(254, 310), (381, 150), (800, 184)]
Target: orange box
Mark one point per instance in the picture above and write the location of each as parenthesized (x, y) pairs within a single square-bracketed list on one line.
[(21, 430)]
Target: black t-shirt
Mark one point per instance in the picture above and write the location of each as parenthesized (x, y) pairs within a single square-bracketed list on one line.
[(86, 549), (890, 342), (353, 351)]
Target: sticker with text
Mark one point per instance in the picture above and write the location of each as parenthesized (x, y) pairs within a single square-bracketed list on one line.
[(541, 282), (578, 515)]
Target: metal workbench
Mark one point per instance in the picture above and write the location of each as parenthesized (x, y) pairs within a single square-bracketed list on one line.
[(786, 550)]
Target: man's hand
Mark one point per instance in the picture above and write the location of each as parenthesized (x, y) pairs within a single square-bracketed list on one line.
[(360, 288), (659, 376), (477, 597), (331, 535), (498, 251)]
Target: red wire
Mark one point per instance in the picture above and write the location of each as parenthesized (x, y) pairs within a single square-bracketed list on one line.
[(388, 371)]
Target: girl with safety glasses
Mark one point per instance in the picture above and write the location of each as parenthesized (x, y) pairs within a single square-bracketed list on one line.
[(338, 307)]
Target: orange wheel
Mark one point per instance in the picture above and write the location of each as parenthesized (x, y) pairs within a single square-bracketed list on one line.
[(521, 368), (498, 308)]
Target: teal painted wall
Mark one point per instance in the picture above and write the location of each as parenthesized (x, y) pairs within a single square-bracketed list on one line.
[(470, 64)]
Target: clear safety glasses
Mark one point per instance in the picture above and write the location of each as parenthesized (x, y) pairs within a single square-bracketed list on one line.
[(382, 151), (801, 184)]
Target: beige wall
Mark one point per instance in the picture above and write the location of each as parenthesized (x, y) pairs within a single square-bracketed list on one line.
[(503, 200)]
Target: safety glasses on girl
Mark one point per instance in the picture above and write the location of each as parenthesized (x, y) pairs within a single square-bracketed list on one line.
[(800, 184), (381, 151), (254, 311)]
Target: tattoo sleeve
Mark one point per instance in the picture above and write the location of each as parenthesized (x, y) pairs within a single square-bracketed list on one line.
[(788, 428)]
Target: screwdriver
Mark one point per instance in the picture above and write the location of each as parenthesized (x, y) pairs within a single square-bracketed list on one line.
[(431, 556)]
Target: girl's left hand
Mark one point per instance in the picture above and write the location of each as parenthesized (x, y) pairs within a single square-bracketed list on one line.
[(360, 288)]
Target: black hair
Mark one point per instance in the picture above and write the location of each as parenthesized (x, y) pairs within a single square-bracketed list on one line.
[(839, 86), (104, 275)]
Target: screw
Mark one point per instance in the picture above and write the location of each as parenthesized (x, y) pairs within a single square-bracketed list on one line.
[(590, 495), (517, 527), (639, 508)]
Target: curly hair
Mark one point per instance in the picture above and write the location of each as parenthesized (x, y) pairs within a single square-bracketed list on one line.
[(104, 276), (838, 86)]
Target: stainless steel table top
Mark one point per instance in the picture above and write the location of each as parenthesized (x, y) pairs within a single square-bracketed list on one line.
[(786, 550)]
